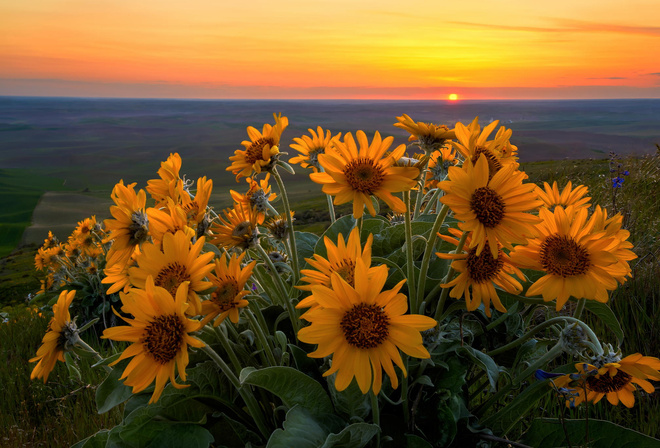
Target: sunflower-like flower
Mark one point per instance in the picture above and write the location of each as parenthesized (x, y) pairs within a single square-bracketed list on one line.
[(621, 247), (130, 227), (439, 162), (170, 219), (311, 148), (258, 197), (569, 196), (116, 271), (61, 330), (237, 228), (169, 183), (578, 258), (473, 142), (364, 328), (259, 152), (353, 174), (229, 280), (480, 273), (195, 207), (428, 135), (278, 226), (160, 336), (493, 210), (616, 379), (178, 262)]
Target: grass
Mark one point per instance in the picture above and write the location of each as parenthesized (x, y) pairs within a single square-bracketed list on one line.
[(34, 414)]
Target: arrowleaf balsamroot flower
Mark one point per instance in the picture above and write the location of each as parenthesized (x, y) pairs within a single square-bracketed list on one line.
[(259, 151), (311, 148), (355, 174), (616, 380), (55, 341), (493, 209), (130, 228), (569, 196), (160, 333), (364, 327), (429, 136)]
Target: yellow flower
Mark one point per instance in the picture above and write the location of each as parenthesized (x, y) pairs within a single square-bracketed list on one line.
[(130, 227), (578, 259), (429, 136), (195, 208), (353, 174), (620, 246), (569, 196), (278, 226), (480, 273), (260, 150), (54, 342), (493, 210), (160, 336), (616, 380), (169, 183), (364, 328), (178, 262), (473, 142), (116, 270), (238, 229), (258, 196), (170, 219), (229, 280), (311, 148), (439, 162)]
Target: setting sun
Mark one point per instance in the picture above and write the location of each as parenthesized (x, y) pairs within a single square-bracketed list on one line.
[(453, 97)]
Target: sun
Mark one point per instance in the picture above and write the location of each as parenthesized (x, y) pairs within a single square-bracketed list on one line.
[(453, 97)]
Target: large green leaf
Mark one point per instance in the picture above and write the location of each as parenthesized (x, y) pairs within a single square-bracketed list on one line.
[(373, 226), (343, 225), (485, 362), (549, 433), (608, 317), (293, 387), (112, 392), (146, 431), (350, 402), (305, 244), (230, 433), (97, 440), (413, 441), (301, 430), (356, 435)]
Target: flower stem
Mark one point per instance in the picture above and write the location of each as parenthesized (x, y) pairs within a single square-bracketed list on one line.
[(375, 414), (261, 337), (228, 348), (410, 265), (245, 392), (331, 208), (289, 221), (439, 220), (293, 315), (83, 345), (579, 308), (450, 273)]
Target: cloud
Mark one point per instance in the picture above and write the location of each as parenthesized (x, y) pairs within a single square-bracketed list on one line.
[(570, 26), (653, 74), (610, 77)]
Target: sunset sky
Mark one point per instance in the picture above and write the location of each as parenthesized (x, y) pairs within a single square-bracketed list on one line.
[(413, 49)]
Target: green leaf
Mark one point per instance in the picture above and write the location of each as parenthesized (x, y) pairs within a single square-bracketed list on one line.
[(71, 367), (485, 362), (445, 430), (343, 225), (413, 441), (373, 226), (97, 440), (301, 430), (305, 243), (112, 392), (230, 433), (292, 386), (549, 433), (145, 431), (604, 313), (350, 402), (356, 435)]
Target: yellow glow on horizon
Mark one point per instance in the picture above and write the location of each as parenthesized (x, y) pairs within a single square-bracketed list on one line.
[(373, 45), (453, 97)]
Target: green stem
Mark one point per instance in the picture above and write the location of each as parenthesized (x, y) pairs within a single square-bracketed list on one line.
[(410, 265), (293, 315), (431, 202), (543, 326), (404, 392), (542, 361), (261, 337), (375, 414), (579, 308), (430, 244), (420, 190), (450, 273), (228, 348), (82, 344), (331, 208), (245, 392), (289, 221)]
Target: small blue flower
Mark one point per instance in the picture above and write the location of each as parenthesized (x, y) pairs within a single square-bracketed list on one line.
[(543, 375), (626, 172), (617, 182)]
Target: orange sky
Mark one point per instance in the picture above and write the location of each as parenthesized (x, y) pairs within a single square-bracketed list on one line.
[(423, 49)]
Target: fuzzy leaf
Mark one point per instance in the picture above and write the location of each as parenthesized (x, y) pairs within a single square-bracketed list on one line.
[(356, 435), (112, 392), (608, 317)]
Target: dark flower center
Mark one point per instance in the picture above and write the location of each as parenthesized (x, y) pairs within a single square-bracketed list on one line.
[(483, 267), (561, 255), (171, 276), (494, 164), (255, 150), (365, 326), (138, 230), (488, 205), (606, 383), (346, 270), (163, 338), (224, 296), (363, 175)]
